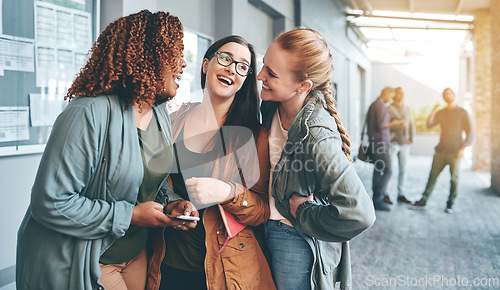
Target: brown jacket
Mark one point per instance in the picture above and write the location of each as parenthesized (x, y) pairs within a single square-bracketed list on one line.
[(155, 250), (241, 264)]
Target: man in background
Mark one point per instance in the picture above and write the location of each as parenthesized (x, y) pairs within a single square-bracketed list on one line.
[(401, 138), (454, 120), (379, 137)]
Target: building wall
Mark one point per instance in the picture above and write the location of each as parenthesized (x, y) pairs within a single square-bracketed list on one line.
[(495, 116), (16, 179), (350, 62), (483, 90)]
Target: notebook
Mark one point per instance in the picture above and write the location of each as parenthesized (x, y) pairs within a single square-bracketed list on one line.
[(233, 227)]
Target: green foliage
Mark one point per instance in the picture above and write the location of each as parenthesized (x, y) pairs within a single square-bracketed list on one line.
[(420, 115), (189, 56)]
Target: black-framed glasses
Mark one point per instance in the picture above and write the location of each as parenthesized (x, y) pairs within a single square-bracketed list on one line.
[(225, 59)]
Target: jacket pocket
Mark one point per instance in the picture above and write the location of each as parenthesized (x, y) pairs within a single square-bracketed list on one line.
[(241, 259), (329, 255)]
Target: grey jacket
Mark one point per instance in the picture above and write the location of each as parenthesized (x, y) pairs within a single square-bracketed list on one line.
[(75, 214), (312, 162)]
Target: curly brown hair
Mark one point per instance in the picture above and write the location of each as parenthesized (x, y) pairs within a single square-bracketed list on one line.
[(129, 57)]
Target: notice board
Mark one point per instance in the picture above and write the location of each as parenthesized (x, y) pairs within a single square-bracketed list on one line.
[(43, 45)]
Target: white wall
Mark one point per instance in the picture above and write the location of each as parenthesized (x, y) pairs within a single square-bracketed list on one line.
[(328, 18), (422, 82), (286, 8), (16, 178), (197, 15), (254, 25)]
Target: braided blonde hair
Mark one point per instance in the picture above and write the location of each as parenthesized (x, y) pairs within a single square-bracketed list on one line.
[(314, 62)]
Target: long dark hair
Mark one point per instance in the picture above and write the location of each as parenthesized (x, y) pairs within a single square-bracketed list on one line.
[(244, 111)]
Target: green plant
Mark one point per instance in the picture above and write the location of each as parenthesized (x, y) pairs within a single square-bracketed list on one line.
[(420, 115)]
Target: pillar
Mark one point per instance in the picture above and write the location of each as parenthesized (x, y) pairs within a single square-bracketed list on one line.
[(482, 114), (495, 113)]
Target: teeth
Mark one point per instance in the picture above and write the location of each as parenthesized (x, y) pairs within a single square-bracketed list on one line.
[(266, 87), (227, 80)]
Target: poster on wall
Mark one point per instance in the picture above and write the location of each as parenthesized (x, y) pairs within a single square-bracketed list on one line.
[(14, 124), (1, 21), (63, 37), (16, 54), (43, 46), (44, 109), (73, 4)]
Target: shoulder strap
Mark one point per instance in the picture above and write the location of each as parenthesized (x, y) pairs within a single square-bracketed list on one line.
[(235, 157), (364, 127)]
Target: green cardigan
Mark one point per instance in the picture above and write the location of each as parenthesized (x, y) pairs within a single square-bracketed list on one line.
[(73, 218)]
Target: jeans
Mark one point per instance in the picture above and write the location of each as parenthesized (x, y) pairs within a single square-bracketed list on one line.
[(291, 256), (173, 279), (439, 162), (381, 172), (400, 155)]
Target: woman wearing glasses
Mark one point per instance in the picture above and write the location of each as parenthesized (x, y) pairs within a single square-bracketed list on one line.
[(317, 201), (222, 159)]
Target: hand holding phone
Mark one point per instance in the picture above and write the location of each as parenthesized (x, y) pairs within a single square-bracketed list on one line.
[(187, 218), (182, 214)]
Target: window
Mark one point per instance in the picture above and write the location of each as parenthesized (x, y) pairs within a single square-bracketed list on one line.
[(189, 90)]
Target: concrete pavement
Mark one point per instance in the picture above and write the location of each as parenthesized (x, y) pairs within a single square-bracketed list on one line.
[(431, 249)]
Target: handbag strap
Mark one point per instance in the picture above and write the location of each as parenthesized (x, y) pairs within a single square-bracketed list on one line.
[(364, 127), (235, 157)]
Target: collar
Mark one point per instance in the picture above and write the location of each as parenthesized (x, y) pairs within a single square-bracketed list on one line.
[(179, 117), (299, 128)]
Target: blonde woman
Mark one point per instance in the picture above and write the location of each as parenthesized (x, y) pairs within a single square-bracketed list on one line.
[(317, 200)]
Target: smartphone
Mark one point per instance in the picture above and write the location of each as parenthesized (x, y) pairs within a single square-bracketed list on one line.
[(187, 218)]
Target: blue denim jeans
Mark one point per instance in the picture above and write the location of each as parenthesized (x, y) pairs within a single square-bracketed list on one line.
[(291, 256), (400, 155), (382, 171)]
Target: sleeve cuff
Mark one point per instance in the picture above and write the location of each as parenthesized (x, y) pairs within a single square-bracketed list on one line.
[(303, 206), (232, 194), (122, 218)]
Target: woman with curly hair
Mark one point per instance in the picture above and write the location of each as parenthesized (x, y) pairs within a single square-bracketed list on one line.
[(97, 205), (317, 200), (222, 152)]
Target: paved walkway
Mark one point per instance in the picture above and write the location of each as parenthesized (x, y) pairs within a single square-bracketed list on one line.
[(431, 249)]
